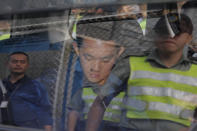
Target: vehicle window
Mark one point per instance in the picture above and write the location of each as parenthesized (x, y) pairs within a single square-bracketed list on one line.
[(98, 65)]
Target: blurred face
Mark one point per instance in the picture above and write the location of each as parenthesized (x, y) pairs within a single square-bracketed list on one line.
[(173, 45), (18, 64), (4, 26), (97, 59)]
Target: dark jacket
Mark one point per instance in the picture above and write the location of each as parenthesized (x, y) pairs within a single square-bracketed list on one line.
[(29, 103)]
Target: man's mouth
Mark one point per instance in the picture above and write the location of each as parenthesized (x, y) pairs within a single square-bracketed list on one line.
[(169, 42), (94, 75), (17, 68)]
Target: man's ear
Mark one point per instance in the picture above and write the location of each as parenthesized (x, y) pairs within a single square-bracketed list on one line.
[(121, 50), (189, 39), (76, 47)]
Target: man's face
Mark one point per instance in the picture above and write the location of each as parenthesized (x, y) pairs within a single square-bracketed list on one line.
[(18, 64), (172, 45), (97, 59), (4, 26)]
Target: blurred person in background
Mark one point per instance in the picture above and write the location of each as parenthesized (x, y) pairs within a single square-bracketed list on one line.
[(5, 28), (26, 100)]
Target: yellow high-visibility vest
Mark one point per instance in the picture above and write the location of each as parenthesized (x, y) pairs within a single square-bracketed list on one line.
[(4, 36), (160, 93), (113, 111)]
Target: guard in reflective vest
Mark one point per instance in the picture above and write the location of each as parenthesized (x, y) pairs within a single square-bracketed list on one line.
[(162, 86), (97, 57), (161, 93), (4, 30)]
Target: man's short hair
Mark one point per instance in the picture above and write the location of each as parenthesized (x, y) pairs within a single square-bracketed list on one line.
[(179, 24), (18, 52), (96, 30)]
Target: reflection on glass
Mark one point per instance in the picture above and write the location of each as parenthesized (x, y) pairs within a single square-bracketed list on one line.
[(128, 66)]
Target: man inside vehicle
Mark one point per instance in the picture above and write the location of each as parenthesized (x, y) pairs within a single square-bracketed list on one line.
[(161, 86), (26, 100)]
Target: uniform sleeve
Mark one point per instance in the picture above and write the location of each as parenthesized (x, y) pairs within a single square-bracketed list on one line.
[(44, 108), (117, 78), (76, 102)]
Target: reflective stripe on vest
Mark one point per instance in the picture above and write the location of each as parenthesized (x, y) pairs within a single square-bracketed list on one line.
[(166, 77), (165, 92), (113, 111), (157, 93)]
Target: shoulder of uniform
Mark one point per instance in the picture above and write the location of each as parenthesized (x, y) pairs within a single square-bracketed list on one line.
[(137, 58)]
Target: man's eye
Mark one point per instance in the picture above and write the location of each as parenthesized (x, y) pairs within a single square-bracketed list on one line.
[(14, 61), (18, 61), (88, 57), (106, 60), (22, 61)]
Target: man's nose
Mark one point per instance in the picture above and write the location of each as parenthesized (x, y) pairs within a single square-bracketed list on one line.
[(166, 36), (18, 62), (97, 65)]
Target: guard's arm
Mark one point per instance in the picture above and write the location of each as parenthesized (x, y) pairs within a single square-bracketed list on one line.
[(95, 115), (73, 117)]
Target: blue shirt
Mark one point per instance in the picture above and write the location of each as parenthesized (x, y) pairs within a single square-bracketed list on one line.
[(29, 103)]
